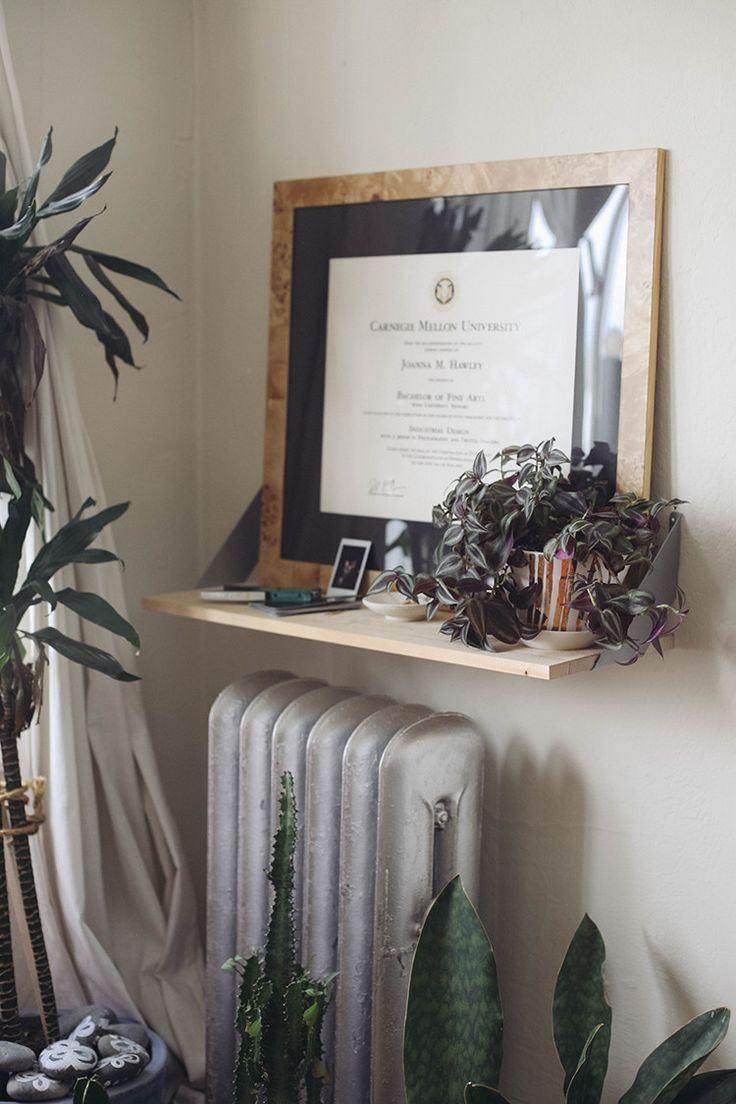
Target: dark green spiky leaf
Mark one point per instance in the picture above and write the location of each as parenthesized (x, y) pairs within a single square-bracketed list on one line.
[(11, 544), (670, 1067), (135, 315), (39, 257), (581, 1089), (249, 1025), (70, 543), (42, 588), (483, 1094), (454, 1023), (116, 341), (84, 171), (30, 192), (579, 1004), (21, 228), (280, 945), (61, 206), (84, 305), (127, 268), (3, 166), (715, 1087), (48, 297), (85, 654), (295, 1030), (95, 609), (280, 958), (96, 556), (8, 204)]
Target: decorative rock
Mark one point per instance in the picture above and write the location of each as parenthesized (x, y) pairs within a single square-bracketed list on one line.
[(67, 1060), (89, 1029), (15, 1058), (110, 1045), (35, 1086), (69, 1019), (121, 1067), (134, 1031)]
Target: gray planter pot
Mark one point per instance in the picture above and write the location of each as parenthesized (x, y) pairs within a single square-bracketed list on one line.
[(147, 1088)]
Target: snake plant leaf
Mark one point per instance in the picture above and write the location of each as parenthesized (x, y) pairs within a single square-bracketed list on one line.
[(579, 1004), (70, 543), (32, 186), (483, 1094), (95, 609), (61, 206), (127, 268), (670, 1067), (579, 1089), (83, 172), (87, 655), (714, 1087), (454, 1023), (135, 315), (3, 166)]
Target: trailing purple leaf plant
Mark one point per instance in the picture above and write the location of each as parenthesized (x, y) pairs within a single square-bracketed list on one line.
[(528, 499)]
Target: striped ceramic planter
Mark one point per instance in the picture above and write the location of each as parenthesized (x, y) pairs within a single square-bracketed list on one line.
[(550, 611)]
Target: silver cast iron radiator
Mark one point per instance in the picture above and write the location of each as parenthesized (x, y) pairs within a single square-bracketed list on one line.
[(389, 800)]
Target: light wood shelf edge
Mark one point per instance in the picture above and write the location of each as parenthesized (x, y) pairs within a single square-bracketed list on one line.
[(361, 629)]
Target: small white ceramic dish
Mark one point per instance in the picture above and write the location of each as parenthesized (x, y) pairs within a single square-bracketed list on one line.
[(394, 606), (555, 640)]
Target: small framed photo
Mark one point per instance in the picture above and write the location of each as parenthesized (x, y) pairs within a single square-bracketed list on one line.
[(348, 568)]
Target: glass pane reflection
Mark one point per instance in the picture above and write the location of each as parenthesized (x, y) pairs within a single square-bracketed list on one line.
[(594, 220)]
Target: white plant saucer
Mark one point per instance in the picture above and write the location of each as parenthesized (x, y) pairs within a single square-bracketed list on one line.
[(557, 640)]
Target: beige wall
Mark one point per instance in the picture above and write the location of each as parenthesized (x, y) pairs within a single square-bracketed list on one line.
[(610, 792)]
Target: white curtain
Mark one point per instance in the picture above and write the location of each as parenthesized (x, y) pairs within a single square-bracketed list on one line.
[(115, 895)]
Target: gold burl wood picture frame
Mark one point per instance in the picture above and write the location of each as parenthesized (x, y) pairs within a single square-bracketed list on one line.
[(389, 212)]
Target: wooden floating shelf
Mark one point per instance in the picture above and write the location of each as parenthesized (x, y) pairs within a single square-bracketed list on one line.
[(364, 630)]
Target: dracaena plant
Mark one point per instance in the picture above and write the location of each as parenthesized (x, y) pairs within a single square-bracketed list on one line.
[(454, 1023), (32, 273), (528, 499)]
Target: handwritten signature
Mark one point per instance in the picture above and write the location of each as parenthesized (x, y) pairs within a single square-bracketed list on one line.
[(386, 488)]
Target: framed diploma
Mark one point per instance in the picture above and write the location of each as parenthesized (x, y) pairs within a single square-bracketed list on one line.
[(419, 316)]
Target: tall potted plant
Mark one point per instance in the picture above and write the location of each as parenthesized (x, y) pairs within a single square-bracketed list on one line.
[(30, 273)]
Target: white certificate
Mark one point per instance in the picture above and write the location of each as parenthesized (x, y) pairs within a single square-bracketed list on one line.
[(432, 357)]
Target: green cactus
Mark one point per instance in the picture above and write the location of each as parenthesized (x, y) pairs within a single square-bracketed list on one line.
[(280, 1007), (442, 1023)]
